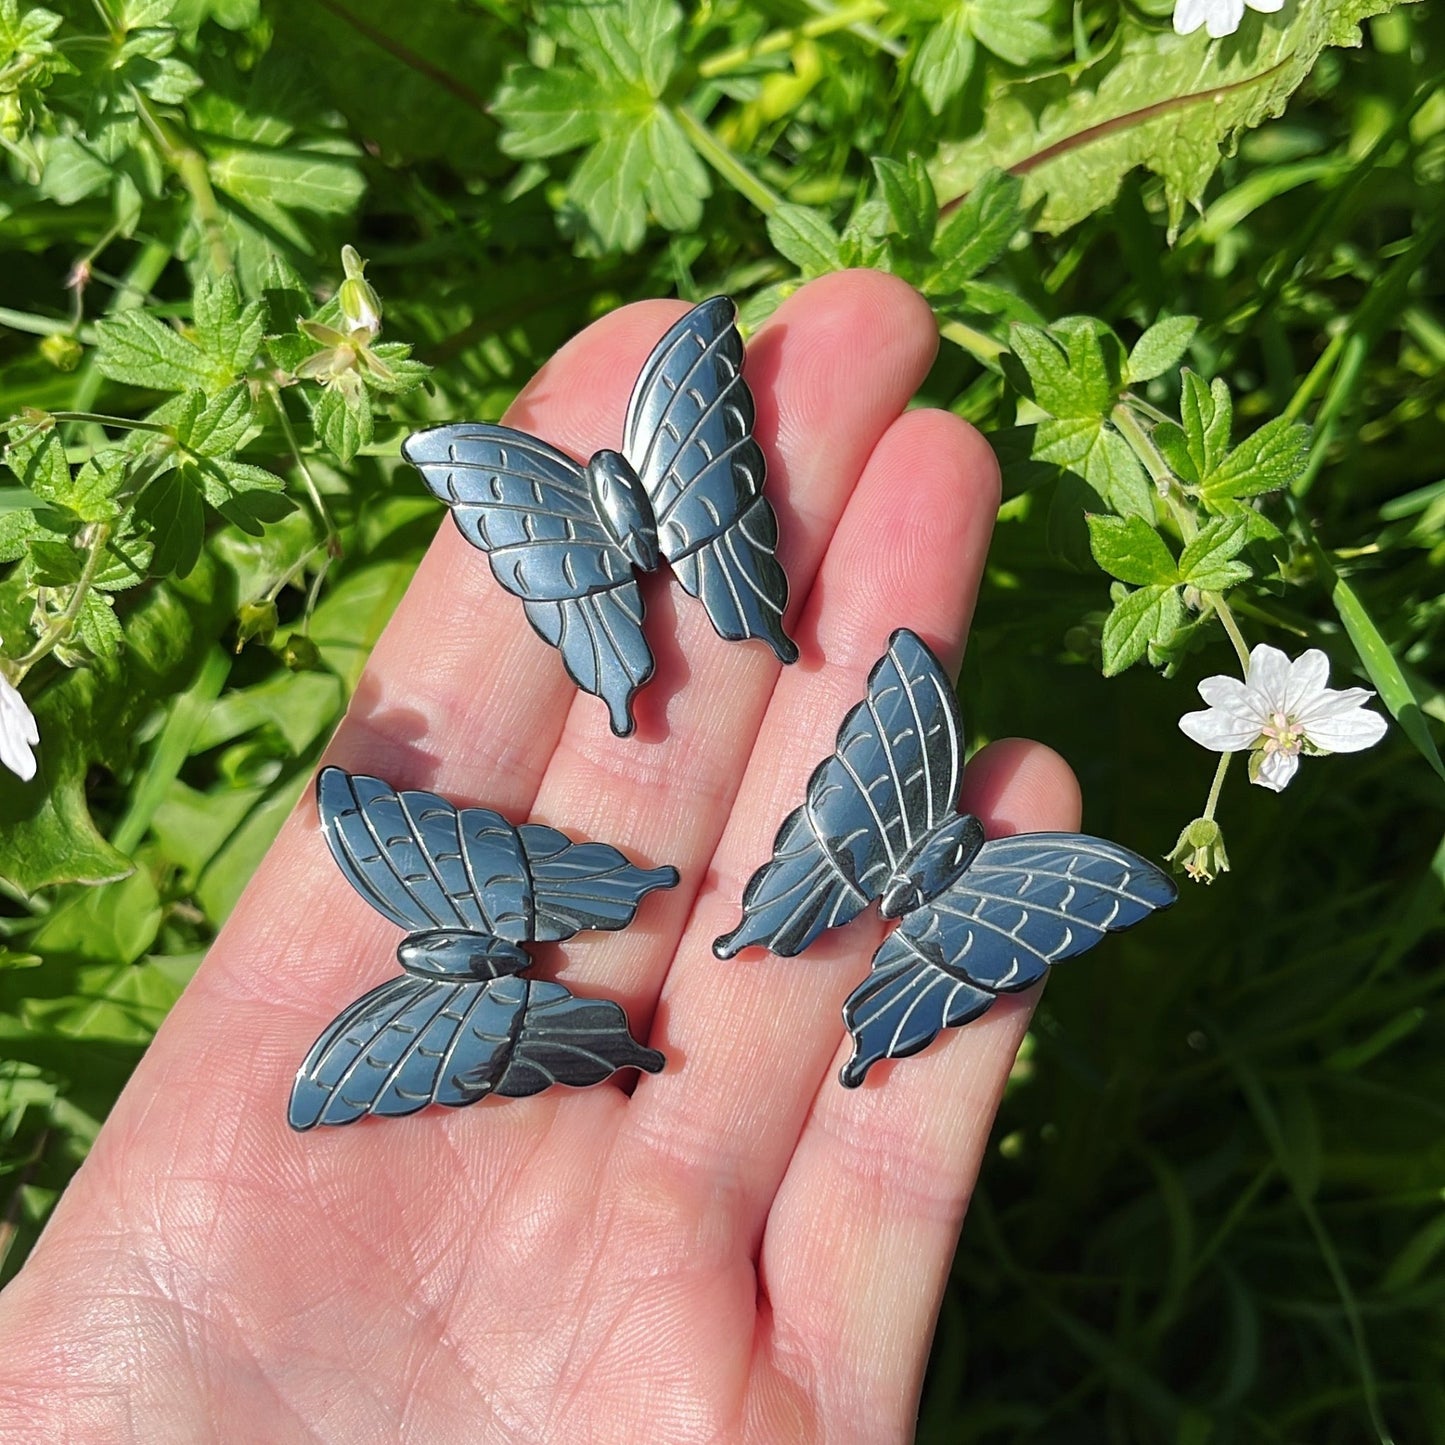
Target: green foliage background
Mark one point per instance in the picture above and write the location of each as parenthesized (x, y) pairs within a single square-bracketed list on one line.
[(1214, 1208)]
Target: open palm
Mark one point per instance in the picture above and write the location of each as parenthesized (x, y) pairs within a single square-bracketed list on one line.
[(739, 1249)]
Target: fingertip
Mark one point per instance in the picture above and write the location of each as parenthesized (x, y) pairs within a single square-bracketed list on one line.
[(1018, 786)]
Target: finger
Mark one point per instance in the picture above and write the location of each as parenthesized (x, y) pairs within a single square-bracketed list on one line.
[(831, 371), (755, 1036), (857, 1248)]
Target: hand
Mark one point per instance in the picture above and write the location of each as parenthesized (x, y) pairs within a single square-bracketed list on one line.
[(740, 1249)]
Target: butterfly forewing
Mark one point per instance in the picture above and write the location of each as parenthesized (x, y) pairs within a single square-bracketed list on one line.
[(1025, 904), (689, 435), (580, 886), (892, 779), (422, 862)]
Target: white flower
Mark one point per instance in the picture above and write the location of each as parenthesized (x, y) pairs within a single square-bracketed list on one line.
[(1218, 17), (18, 733), (1281, 709)]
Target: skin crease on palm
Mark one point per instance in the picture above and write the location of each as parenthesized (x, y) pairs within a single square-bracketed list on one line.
[(737, 1249)]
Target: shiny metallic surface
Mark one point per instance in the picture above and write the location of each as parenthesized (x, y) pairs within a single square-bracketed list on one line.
[(460, 1022), (881, 820), (568, 539)]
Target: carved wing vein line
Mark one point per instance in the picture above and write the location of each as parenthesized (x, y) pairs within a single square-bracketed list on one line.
[(977, 875), (922, 749), (868, 797), (385, 857), (895, 775), (466, 857), (406, 999), (425, 852), (677, 388), (445, 996), (684, 489), (444, 1066)]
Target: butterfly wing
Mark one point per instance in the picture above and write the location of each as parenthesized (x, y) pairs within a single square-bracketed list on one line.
[(689, 435), (527, 506), (424, 863), (1026, 903), (418, 1041), (580, 886), (892, 778)]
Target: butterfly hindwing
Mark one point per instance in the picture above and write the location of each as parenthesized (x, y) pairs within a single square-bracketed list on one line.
[(1025, 904), (527, 506), (689, 436), (418, 1041), (892, 778)]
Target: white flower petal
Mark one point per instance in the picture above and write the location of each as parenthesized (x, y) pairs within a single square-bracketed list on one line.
[(1331, 704), (1230, 695), (1268, 675), (1266, 7), (18, 733), (1275, 771), (1224, 17), (1189, 15), (1218, 731), (1349, 732), (1309, 676)]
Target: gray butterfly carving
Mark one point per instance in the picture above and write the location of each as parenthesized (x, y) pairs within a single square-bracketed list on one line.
[(977, 918), (460, 1022), (687, 487)]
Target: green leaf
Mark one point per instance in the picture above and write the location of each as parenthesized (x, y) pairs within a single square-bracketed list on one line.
[(1207, 561), (97, 625), (38, 463), (1155, 99), (225, 329), (136, 348), (979, 230), (1384, 669), (805, 237), (219, 426), (1131, 550), (270, 183), (1149, 615), (1094, 451), (908, 194), (91, 494), (1073, 368), (943, 62), (171, 507), (1015, 30), (676, 183), (343, 422), (541, 112), (1267, 460), (73, 171), (1161, 347), (1195, 449)]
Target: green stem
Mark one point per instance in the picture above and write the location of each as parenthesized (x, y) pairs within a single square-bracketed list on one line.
[(726, 164), (41, 325), (1226, 618), (1165, 482), (738, 56), (60, 628), (1212, 801), (976, 343), (189, 166), (328, 527), (864, 31)]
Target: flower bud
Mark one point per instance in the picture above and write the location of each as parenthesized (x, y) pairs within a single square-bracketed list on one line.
[(255, 621), (1199, 853), (301, 654), (62, 352), (359, 303)]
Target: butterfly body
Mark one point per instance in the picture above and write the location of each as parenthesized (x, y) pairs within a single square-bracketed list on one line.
[(458, 953), (978, 917), (939, 860), (461, 1021), (686, 487)]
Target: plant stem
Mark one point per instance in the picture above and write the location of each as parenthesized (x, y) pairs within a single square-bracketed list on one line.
[(42, 325), (977, 343), (60, 627), (736, 57), (726, 164), (1212, 801), (328, 527), (1226, 618), (190, 167), (1165, 482)]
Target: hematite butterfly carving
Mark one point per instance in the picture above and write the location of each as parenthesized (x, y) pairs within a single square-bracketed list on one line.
[(977, 918), (686, 486), (461, 1023)]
